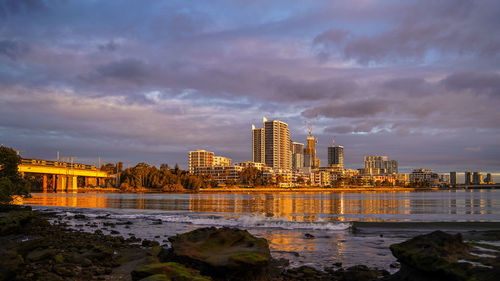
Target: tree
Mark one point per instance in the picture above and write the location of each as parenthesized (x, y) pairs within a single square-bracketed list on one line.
[(11, 182)]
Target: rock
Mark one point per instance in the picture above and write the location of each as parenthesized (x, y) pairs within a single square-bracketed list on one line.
[(223, 251), (115, 232), (168, 270), (156, 222), (395, 265), (303, 273), (80, 216), (40, 254), (12, 221), (308, 236), (156, 277), (10, 262), (442, 256), (362, 273), (149, 243)]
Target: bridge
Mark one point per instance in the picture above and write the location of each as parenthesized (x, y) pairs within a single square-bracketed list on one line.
[(62, 176)]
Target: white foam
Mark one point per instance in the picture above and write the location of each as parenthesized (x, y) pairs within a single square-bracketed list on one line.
[(254, 222), (233, 220), (476, 263), (483, 255)]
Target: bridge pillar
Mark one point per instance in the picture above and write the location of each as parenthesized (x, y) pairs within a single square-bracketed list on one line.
[(100, 181), (89, 181), (72, 184), (53, 184), (44, 182), (61, 183)]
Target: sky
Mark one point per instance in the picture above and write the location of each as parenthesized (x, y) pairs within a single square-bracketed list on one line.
[(148, 81)]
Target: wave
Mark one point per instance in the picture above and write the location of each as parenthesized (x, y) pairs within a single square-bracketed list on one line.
[(242, 220)]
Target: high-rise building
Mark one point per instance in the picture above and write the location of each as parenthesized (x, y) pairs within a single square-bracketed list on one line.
[(297, 155), (310, 159), (489, 179), (477, 178), (453, 178), (336, 156), (200, 158), (375, 164), (391, 167), (221, 161), (258, 148), (468, 177), (277, 150)]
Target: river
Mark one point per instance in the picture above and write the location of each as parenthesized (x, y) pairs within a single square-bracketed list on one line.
[(348, 227)]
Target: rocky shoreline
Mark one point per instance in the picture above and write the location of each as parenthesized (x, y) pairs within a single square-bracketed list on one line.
[(34, 249)]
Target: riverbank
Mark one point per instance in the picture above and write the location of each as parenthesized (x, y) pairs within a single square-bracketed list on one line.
[(267, 189), (314, 189), (34, 249)]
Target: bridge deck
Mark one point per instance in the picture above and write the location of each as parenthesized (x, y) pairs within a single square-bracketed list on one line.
[(60, 168)]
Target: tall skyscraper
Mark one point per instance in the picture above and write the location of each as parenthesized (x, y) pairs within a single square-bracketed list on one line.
[(258, 148), (453, 178), (277, 150), (200, 158), (468, 177), (297, 155), (488, 179), (310, 159), (477, 178), (336, 156)]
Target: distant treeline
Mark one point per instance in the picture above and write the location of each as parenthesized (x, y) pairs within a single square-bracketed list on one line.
[(165, 178)]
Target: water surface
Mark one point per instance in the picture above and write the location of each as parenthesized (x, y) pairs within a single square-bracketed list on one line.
[(381, 218)]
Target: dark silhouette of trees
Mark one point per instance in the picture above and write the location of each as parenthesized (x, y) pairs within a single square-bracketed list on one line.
[(143, 176), (11, 182)]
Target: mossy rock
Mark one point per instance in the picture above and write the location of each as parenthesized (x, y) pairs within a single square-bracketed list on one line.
[(10, 222), (156, 277), (439, 255), (223, 248), (10, 262), (170, 270), (41, 254)]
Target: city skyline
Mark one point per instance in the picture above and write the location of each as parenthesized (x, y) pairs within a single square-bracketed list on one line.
[(417, 81)]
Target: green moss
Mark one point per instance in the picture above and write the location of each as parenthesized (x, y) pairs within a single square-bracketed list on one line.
[(248, 258), (59, 258), (156, 277), (11, 221), (486, 246), (169, 270)]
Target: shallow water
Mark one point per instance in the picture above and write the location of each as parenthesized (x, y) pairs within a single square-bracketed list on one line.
[(381, 219)]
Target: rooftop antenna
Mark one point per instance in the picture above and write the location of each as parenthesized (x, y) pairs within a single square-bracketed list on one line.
[(333, 142)]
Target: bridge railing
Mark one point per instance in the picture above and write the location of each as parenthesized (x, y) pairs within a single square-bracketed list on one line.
[(37, 162)]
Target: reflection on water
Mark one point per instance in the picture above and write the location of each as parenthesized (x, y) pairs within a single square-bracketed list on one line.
[(300, 207), (284, 218)]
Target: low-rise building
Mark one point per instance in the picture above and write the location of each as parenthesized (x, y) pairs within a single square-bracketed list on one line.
[(222, 161), (247, 164), (425, 176), (221, 174), (200, 158)]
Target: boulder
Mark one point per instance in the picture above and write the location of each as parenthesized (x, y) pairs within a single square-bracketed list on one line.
[(440, 256), (166, 271), (223, 251)]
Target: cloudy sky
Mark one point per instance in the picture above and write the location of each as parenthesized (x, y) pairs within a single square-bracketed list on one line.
[(136, 81)]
